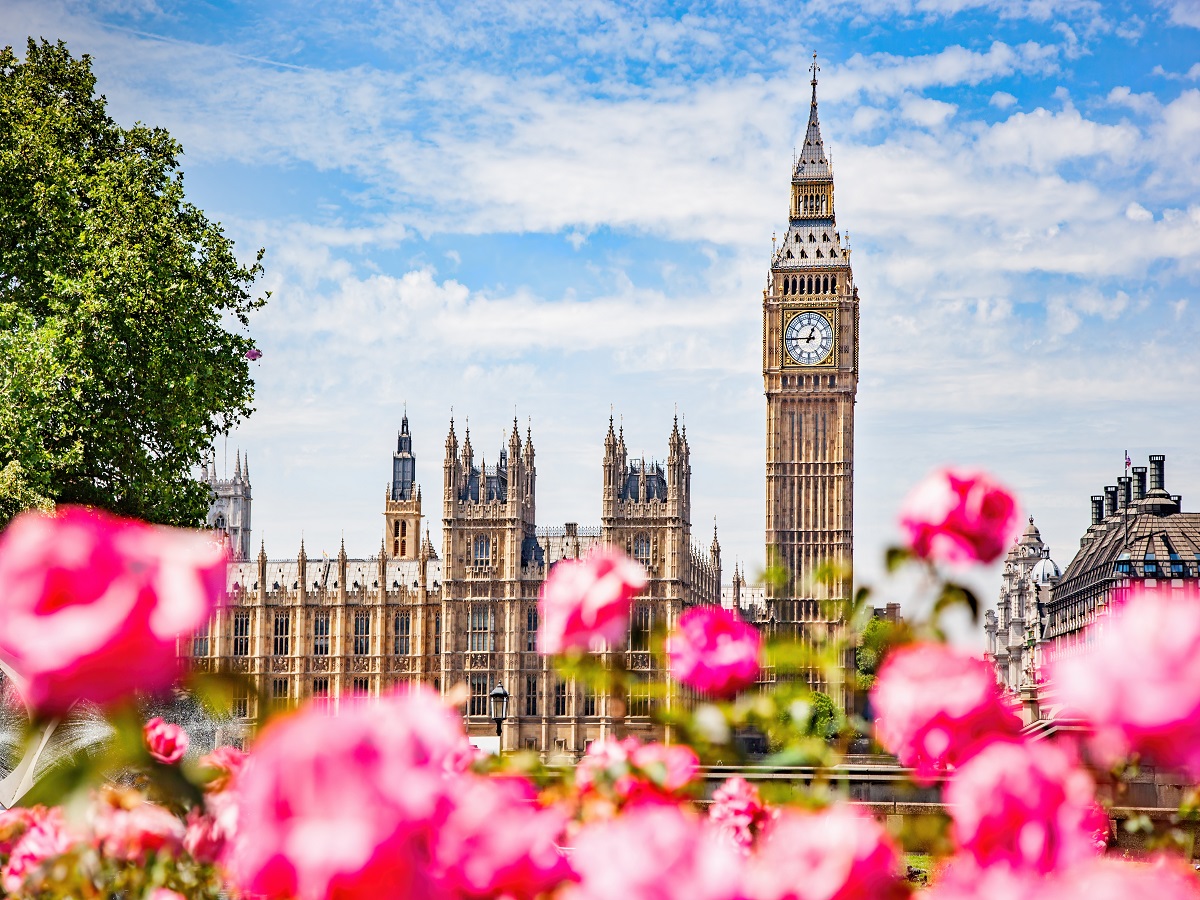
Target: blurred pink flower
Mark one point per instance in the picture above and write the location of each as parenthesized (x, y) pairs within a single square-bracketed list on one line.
[(45, 837), (15, 822), (629, 771), (253, 353), (124, 827), (349, 810), (959, 516), (1162, 878), (497, 841), (93, 604), (1137, 681), (714, 651), (654, 852), (738, 812), (212, 828), (1026, 805), (225, 763), (667, 769), (834, 854), (1100, 878), (936, 706), (165, 894), (586, 602), (166, 742)]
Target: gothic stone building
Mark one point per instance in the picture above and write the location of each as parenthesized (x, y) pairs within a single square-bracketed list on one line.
[(340, 630), (1139, 539)]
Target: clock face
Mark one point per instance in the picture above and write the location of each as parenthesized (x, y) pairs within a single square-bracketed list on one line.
[(808, 338)]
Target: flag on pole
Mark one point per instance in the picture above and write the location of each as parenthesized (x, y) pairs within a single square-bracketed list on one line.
[(1128, 461)]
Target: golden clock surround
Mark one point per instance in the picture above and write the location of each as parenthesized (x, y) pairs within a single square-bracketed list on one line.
[(790, 312)]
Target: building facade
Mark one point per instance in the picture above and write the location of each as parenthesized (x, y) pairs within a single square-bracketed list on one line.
[(1139, 539), (229, 504), (810, 375), (341, 630)]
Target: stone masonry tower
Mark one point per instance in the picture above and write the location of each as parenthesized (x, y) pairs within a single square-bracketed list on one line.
[(810, 374), (229, 505), (402, 504)]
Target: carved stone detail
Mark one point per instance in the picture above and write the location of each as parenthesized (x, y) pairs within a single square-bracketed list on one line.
[(320, 663), (281, 664), (401, 664), (241, 664), (361, 664), (639, 660), (479, 661)]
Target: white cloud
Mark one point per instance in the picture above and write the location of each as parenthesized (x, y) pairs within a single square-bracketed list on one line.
[(1182, 12), (1135, 212), (1002, 100)]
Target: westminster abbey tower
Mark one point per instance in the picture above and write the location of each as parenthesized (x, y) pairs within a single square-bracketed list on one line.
[(810, 374)]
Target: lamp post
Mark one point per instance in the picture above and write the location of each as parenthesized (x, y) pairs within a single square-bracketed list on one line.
[(498, 703)]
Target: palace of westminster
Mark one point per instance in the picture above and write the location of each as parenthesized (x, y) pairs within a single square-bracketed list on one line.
[(338, 630)]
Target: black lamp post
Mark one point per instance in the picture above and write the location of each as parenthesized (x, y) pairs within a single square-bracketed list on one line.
[(498, 703)]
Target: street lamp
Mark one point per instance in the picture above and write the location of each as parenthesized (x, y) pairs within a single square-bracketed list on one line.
[(498, 702)]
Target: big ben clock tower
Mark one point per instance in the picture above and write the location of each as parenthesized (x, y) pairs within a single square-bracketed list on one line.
[(810, 373)]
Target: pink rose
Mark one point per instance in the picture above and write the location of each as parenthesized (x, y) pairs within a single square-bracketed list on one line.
[(1025, 805), (93, 604), (959, 516), (936, 706), (127, 828), (45, 838), (586, 602), (1136, 679), (14, 823), (224, 764), (656, 852), (667, 769), (497, 841), (1100, 878), (835, 854), (1163, 878), (347, 808), (211, 829), (714, 651), (738, 812), (166, 742)]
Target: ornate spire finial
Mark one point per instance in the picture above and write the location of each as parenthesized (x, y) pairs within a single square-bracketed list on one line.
[(814, 68)]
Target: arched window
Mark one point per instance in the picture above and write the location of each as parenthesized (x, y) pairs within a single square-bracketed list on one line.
[(825, 285), (641, 549), (220, 521), (833, 283), (483, 550), (801, 285), (395, 529), (810, 284), (403, 529)]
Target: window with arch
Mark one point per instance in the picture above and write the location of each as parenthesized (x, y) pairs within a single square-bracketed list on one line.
[(483, 550), (403, 529), (641, 549), (220, 521), (481, 635), (396, 529)]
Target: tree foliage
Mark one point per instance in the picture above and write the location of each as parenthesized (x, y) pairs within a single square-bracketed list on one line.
[(123, 310)]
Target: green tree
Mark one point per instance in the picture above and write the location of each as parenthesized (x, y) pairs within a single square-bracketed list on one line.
[(123, 310)]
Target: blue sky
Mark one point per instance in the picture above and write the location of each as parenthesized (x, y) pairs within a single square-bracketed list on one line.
[(567, 208)]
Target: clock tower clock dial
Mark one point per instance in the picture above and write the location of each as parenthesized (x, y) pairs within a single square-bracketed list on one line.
[(808, 338), (810, 375)]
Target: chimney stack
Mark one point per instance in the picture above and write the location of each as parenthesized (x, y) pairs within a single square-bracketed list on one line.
[(1097, 508), (1124, 494), (1158, 465), (1110, 500), (1139, 482)]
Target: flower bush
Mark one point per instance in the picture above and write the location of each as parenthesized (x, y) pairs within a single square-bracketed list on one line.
[(390, 800)]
